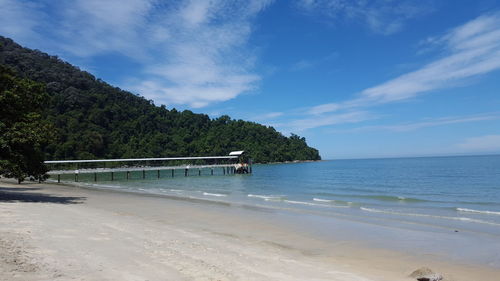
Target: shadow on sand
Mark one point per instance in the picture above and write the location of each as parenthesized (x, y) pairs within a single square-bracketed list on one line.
[(11, 195)]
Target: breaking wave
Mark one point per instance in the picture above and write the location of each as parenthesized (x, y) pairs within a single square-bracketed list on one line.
[(214, 194), (465, 210), (428, 216)]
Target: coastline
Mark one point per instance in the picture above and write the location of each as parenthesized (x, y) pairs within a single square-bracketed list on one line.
[(58, 232), (292, 162)]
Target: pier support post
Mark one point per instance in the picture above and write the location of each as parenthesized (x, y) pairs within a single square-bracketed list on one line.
[(158, 173), (173, 172), (76, 177), (128, 174), (185, 172), (199, 172), (143, 174), (95, 176), (223, 170), (112, 176), (58, 178), (212, 171)]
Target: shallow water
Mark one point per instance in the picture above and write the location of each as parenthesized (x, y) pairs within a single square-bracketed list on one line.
[(444, 194)]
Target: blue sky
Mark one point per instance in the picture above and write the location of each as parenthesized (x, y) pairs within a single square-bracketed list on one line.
[(357, 78)]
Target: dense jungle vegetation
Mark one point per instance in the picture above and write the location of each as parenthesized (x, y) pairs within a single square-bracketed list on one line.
[(92, 119)]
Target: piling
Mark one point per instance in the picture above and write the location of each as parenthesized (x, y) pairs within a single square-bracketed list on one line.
[(112, 176), (158, 173), (173, 173), (186, 172), (59, 178), (199, 172), (95, 176), (143, 174)]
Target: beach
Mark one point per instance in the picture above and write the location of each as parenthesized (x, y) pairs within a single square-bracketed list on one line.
[(58, 232)]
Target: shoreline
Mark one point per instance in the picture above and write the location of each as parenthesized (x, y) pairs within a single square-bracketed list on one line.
[(292, 162), (182, 240)]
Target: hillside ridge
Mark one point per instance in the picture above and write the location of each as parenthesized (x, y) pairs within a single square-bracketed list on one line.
[(96, 120)]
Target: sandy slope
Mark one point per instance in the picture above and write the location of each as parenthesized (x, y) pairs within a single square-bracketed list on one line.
[(67, 233)]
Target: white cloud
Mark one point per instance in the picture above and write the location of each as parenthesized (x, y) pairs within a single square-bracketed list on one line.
[(472, 49), (382, 16), (405, 127), (207, 62), (489, 143), (17, 19), (194, 52), (268, 116), (196, 12), (324, 120)]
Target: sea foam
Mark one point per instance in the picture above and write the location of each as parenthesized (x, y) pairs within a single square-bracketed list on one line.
[(266, 197), (428, 216), (314, 204), (303, 203), (323, 200), (465, 210), (214, 194)]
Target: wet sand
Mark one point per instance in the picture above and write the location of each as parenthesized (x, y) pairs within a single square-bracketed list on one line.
[(57, 232)]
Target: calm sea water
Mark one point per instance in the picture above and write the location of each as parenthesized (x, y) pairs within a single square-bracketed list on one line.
[(455, 193)]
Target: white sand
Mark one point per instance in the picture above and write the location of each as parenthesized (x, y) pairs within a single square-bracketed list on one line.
[(115, 236)]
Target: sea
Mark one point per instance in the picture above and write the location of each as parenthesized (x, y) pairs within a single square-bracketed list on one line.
[(441, 195)]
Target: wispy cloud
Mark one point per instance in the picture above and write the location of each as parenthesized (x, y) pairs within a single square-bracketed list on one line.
[(385, 17), (267, 116), (471, 50), (17, 18), (194, 52), (433, 122), (302, 124), (488, 143), (310, 63), (208, 61)]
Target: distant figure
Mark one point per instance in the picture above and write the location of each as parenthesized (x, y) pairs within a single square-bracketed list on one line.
[(241, 168)]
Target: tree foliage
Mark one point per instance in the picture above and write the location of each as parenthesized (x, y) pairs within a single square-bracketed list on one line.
[(96, 120), (24, 129)]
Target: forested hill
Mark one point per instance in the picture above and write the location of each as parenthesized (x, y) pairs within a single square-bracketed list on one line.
[(96, 120)]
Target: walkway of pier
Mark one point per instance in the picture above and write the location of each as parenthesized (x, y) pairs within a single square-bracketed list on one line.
[(144, 165)]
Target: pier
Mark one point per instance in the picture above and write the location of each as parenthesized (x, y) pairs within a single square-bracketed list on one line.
[(142, 168)]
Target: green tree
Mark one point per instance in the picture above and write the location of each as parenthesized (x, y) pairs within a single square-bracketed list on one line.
[(97, 120), (23, 128)]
